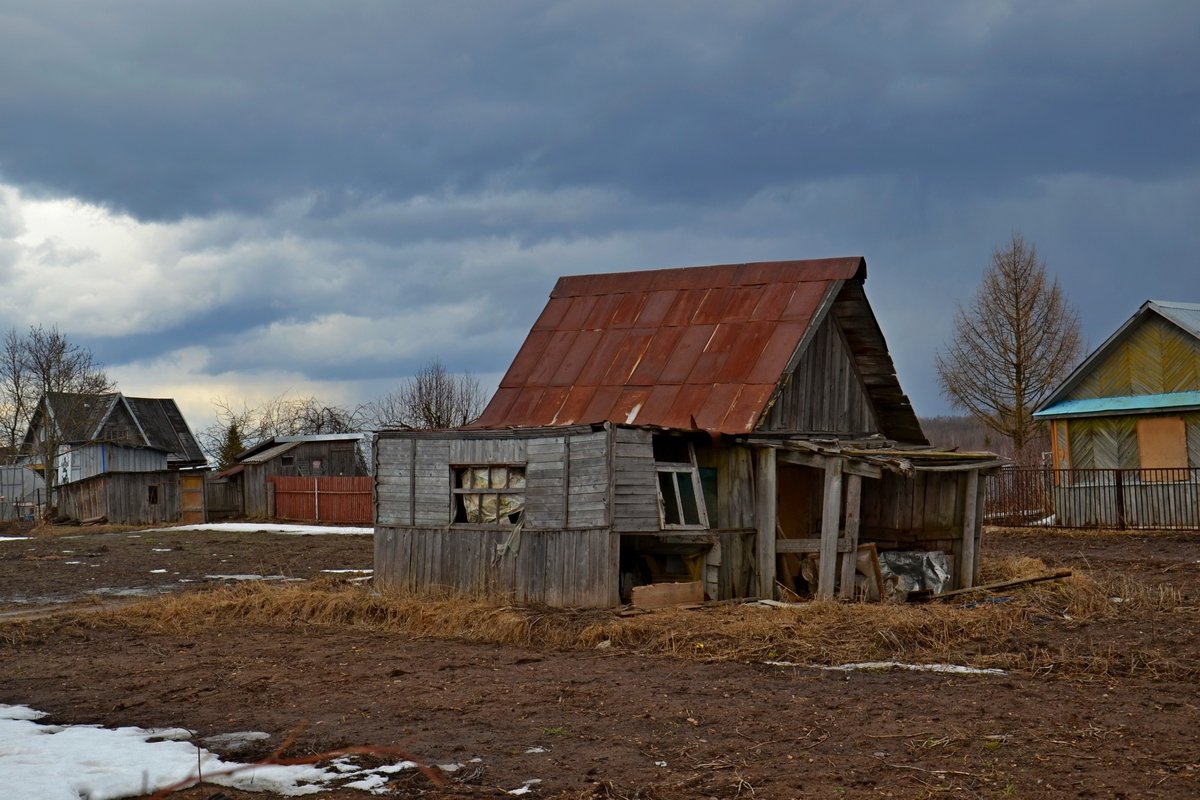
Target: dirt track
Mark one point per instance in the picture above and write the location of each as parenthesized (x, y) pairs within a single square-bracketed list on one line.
[(619, 725)]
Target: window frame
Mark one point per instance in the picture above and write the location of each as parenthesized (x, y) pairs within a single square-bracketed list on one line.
[(457, 491), (676, 469)]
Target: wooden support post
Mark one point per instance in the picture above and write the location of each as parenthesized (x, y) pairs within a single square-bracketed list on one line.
[(765, 519), (831, 521), (966, 551), (980, 508), (853, 517)]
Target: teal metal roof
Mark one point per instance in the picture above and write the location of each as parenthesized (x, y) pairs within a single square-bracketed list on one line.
[(1134, 404)]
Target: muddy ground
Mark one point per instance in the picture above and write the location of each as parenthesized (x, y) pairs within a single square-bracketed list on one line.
[(603, 724)]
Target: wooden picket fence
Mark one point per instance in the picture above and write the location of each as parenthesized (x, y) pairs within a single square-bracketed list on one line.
[(316, 499)]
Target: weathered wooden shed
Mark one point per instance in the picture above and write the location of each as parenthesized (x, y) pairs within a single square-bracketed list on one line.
[(1128, 418), (712, 424), (135, 498), (327, 454)]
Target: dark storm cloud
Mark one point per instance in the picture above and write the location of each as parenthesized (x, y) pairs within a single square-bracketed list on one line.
[(349, 189), (169, 109)]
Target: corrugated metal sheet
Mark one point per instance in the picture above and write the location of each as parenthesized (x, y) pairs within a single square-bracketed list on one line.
[(1121, 405), (271, 452), (701, 347)]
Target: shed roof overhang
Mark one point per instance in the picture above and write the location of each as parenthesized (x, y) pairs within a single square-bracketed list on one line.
[(1115, 406), (870, 457)]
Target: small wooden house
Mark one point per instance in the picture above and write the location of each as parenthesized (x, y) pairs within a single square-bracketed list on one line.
[(1129, 418), (102, 433), (740, 426), (135, 498), (314, 455)]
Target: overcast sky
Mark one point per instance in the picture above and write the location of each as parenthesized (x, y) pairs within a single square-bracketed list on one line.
[(232, 199)]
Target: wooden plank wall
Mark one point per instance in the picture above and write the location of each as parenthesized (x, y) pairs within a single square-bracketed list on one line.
[(566, 477), (394, 463), (588, 482), (123, 498), (545, 481), (1111, 442), (922, 511), (1156, 357), (635, 483), (345, 500), (735, 485), (576, 568), (223, 499), (824, 392), (431, 482)]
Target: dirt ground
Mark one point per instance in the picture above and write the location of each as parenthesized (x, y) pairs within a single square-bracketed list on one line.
[(605, 724)]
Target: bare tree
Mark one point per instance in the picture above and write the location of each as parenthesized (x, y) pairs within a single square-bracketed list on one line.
[(279, 416), (18, 395), (431, 399), (50, 387), (1012, 344)]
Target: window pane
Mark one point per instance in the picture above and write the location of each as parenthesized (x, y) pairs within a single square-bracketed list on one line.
[(666, 485), (687, 496), (499, 477), (478, 477), (516, 478)]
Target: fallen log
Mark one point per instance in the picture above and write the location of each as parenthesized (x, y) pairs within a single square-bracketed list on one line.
[(925, 596)]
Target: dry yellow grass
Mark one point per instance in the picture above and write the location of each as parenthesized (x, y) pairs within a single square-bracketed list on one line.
[(982, 634)]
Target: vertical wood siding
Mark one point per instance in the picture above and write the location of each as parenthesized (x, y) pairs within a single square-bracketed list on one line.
[(122, 497), (825, 391), (925, 510), (323, 499), (555, 568)]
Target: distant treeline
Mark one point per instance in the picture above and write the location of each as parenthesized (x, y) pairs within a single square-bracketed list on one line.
[(968, 433)]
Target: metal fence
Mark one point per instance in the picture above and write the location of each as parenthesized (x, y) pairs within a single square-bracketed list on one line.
[(1094, 498)]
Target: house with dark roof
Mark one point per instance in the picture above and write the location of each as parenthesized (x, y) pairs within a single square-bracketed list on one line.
[(118, 457), (1130, 413), (737, 427)]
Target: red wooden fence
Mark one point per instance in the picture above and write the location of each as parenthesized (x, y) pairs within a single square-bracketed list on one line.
[(304, 499)]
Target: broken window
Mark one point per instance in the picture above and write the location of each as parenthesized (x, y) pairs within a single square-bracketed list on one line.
[(152, 494), (489, 494), (680, 494)]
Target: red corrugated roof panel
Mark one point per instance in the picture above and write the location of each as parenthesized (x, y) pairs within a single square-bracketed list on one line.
[(703, 346), (683, 357), (551, 358), (655, 309), (576, 358)]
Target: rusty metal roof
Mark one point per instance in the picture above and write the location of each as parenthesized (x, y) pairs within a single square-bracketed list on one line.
[(699, 347)]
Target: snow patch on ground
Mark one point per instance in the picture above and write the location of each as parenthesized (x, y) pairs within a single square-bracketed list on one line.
[(883, 666), (67, 762), (269, 527), (13, 538), (249, 577)]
